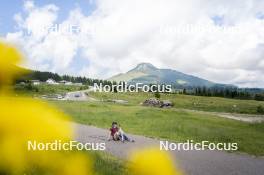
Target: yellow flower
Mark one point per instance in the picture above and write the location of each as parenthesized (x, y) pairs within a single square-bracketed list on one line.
[(25, 119), (9, 59), (152, 162)]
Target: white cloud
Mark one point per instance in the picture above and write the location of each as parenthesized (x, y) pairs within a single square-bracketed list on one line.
[(45, 50), (127, 32), (29, 5)]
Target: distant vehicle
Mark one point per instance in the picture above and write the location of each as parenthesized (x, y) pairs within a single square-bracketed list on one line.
[(35, 82), (65, 82), (51, 81), (77, 95), (60, 97)]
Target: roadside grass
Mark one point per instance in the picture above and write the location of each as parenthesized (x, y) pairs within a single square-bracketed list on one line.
[(211, 104), (168, 124), (106, 164), (102, 163)]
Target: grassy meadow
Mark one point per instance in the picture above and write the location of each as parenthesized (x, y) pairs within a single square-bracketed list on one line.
[(168, 124), (211, 104), (106, 164), (45, 89)]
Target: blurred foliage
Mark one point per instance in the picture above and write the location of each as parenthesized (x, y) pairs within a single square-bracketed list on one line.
[(25, 119)]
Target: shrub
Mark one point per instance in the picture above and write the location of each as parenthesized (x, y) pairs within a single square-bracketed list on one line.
[(157, 95), (29, 86), (259, 97), (260, 109)]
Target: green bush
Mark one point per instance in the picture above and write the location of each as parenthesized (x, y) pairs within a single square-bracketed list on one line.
[(259, 97), (157, 95), (29, 86), (260, 109)]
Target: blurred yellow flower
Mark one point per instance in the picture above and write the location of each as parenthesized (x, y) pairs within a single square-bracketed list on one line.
[(25, 119), (152, 162), (9, 59)]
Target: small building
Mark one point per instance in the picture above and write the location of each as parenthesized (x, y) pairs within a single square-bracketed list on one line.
[(68, 83), (78, 84), (35, 82), (51, 81), (62, 81), (65, 82)]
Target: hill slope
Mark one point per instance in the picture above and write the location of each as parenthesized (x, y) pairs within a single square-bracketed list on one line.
[(148, 74)]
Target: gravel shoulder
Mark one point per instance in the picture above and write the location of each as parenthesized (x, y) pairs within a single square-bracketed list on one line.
[(249, 118)]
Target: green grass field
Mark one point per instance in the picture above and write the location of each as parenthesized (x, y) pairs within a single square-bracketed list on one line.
[(212, 104), (45, 89), (168, 123), (102, 163), (105, 164)]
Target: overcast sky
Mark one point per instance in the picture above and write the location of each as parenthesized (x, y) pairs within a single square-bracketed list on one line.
[(219, 40)]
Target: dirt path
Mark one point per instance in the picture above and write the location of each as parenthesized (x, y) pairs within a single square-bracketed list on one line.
[(250, 118), (242, 117), (191, 162)]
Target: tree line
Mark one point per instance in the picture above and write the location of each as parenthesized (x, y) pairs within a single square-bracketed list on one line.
[(216, 91), (44, 76), (226, 92)]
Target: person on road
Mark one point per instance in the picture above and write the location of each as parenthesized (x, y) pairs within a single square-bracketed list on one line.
[(116, 133)]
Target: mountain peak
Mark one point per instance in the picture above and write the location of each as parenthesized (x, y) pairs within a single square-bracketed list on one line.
[(144, 67), (146, 73)]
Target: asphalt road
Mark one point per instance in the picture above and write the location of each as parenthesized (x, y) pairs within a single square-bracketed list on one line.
[(191, 162), (79, 96)]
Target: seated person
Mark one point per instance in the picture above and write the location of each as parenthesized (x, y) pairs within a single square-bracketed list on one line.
[(116, 133)]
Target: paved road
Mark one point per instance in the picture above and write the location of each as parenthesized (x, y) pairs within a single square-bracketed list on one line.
[(191, 162), (79, 96)]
